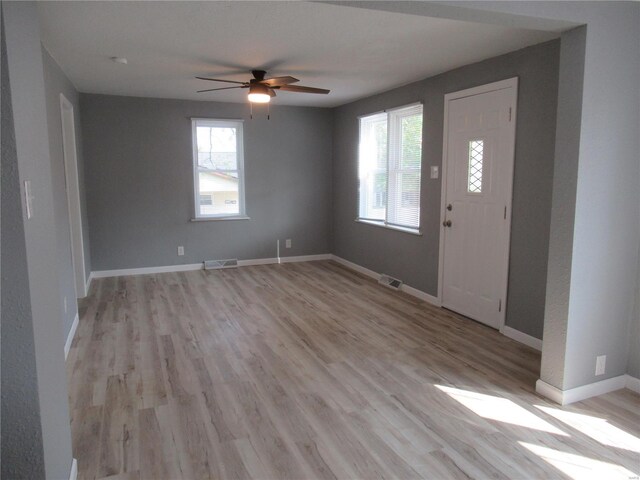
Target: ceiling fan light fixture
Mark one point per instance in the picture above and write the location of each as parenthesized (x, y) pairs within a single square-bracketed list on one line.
[(259, 94)]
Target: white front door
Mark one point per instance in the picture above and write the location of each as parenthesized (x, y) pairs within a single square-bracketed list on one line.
[(476, 217)]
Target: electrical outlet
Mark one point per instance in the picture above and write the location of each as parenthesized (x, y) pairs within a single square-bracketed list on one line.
[(287, 243), (65, 305), (180, 250), (434, 171), (601, 362)]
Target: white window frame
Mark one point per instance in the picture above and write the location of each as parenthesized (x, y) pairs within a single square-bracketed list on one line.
[(220, 123), (392, 129)]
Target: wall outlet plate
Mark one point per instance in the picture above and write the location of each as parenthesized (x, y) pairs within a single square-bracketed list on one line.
[(287, 243), (435, 171), (601, 363), (28, 198), (180, 250)]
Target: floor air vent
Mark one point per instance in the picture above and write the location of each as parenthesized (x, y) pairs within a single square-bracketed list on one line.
[(217, 264), (390, 282)]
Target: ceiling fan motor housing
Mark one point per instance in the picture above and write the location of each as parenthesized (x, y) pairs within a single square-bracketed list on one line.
[(258, 75)]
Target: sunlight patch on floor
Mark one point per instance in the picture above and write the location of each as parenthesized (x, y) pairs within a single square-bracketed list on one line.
[(500, 409), (579, 467), (597, 428)]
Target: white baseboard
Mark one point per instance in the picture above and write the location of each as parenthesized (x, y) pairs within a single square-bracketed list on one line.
[(146, 270), (72, 333), (632, 383), (306, 258), (424, 296), (565, 397), (87, 284), (294, 259), (73, 475), (414, 292), (257, 261), (355, 267), (549, 391), (199, 266), (518, 336)]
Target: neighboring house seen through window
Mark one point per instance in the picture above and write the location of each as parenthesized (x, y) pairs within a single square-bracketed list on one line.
[(389, 168), (218, 168)]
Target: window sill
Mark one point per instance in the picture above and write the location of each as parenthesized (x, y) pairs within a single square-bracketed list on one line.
[(216, 219), (411, 231)]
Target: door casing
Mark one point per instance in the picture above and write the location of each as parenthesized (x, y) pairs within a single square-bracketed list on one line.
[(72, 191)]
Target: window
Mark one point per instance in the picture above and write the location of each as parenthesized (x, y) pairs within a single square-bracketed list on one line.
[(474, 176), (218, 168), (389, 167)]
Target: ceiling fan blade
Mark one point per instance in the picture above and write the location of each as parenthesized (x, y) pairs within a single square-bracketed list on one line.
[(278, 81), (223, 88), (301, 89), (220, 80), (272, 92)]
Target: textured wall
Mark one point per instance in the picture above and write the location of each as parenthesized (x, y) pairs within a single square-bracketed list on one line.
[(633, 366), (607, 213), (56, 83), (414, 259), (24, 66), (22, 454), (139, 182), (564, 203)]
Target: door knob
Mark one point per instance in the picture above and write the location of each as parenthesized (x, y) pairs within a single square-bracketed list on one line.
[(446, 223), (449, 207)]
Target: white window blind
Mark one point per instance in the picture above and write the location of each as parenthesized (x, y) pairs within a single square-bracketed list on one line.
[(389, 167), (372, 167)]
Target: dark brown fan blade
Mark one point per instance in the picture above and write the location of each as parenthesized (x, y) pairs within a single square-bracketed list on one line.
[(301, 89), (278, 81), (220, 80), (223, 88)]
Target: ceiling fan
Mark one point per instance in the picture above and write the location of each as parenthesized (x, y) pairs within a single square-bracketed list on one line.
[(262, 89)]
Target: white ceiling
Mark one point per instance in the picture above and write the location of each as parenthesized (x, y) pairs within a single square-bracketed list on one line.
[(352, 51)]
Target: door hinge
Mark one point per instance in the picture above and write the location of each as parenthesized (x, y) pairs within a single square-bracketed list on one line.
[(500, 305), (510, 113), (505, 212)]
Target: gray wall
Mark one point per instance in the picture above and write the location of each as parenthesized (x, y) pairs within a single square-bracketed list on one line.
[(633, 366), (22, 453), (139, 183), (607, 215), (564, 201), (25, 69), (56, 83), (414, 259)]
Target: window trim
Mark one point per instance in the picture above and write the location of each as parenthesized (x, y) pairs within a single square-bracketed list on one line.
[(384, 223), (238, 124), (390, 226)]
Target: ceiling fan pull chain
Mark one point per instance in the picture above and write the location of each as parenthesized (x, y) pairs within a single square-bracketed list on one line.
[(251, 110), (268, 111)]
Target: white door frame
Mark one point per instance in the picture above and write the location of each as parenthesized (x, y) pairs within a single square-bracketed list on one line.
[(72, 188), (490, 87)]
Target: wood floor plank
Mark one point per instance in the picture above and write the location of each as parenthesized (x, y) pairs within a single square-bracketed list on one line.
[(310, 370)]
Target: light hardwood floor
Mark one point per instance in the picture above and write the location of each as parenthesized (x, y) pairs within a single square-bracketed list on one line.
[(309, 370)]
